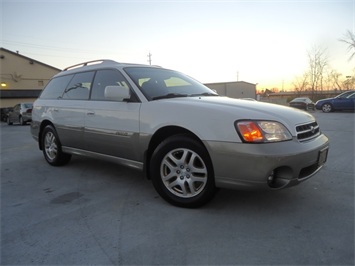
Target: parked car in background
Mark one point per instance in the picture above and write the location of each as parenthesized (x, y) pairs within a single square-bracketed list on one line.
[(344, 101), (302, 103), (5, 112), (21, 113), (186, 138), (248, 99)]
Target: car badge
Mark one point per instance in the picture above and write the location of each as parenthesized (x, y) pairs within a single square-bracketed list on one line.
[(312, 129)]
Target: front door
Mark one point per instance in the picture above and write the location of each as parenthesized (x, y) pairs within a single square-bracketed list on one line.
[(111, 127)]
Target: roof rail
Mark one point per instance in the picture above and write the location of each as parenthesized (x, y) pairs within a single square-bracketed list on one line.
[(89, 63)]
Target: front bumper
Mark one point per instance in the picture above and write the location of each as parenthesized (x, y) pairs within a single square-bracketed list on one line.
[(269, 165)]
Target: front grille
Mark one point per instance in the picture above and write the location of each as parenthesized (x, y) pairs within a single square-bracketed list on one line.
[(307, 131)]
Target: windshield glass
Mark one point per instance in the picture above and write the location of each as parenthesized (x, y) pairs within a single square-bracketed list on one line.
[(158, 83)]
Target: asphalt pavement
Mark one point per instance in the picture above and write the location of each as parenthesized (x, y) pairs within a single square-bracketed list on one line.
[(92, 212)]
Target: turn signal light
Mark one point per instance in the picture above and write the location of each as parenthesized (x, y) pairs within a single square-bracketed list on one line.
[(250, 131)]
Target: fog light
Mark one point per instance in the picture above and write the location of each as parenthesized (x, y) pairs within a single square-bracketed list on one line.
[(271, 177)]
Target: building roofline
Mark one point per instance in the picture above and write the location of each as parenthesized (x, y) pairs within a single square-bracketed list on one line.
[(28, 58), (228, 82)]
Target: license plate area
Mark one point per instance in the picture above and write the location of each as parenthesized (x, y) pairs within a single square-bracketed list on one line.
[(322, 156)]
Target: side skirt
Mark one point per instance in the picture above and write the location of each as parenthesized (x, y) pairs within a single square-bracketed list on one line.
[(121, 161)]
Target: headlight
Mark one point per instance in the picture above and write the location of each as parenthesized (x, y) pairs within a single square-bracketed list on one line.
[(262, 131)]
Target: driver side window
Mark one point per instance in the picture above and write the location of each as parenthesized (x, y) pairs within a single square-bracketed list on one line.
[(105, 78)]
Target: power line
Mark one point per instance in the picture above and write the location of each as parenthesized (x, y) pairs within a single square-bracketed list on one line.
[(58, 48), (150, 58), (55, 48)]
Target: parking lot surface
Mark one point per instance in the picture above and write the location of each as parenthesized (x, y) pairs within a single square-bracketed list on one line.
[(99, 213)]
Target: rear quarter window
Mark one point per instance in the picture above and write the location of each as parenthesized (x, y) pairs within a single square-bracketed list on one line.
[(55, 88)]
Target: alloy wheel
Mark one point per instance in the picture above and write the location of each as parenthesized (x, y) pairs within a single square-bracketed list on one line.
[(184, 173), (50, 146)]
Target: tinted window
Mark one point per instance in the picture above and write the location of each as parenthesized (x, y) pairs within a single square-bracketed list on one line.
[(79, 86), (56, 87), (104, 78), (344, 95)]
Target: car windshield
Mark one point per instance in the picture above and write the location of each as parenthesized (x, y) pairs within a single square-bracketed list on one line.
[(158, 83)]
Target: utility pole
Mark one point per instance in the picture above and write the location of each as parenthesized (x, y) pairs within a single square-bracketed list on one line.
[(150, 58)]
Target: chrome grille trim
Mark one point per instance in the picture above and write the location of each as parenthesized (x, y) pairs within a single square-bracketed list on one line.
[(307, 131)]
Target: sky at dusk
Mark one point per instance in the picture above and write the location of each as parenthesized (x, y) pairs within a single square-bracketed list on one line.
[(263, 42)]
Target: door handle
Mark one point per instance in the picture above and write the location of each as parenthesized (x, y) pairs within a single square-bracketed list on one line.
[(90, 113)]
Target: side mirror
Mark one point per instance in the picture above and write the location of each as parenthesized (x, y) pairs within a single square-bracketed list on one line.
[(117, 93)]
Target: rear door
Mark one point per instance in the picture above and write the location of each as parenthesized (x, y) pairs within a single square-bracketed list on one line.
[(64, 103)]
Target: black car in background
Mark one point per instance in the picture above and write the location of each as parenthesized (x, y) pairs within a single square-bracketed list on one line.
[(302, 103), (5, 112)]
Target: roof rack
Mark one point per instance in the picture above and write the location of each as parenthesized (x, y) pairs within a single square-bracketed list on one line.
[(89, 63)]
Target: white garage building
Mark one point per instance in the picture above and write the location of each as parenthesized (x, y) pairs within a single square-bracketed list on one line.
[(235, 89)]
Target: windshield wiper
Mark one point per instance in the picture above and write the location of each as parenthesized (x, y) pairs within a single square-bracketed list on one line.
[(169, 95), (204, 94)]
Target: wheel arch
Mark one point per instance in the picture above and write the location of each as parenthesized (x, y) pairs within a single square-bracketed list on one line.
[(40, 132), (162, 134)]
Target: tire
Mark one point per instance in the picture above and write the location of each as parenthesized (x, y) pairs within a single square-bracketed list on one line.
[(327, 108), (8, 121), (22, 122), (182, 172), (52, 149)]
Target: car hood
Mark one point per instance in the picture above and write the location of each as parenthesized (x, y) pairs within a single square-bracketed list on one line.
[(241, 109), (217, 107), (324, 100), (214, 117)]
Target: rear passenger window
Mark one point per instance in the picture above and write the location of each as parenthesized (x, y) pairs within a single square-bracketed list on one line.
[(56, 87), (79, 86), (104, 78)]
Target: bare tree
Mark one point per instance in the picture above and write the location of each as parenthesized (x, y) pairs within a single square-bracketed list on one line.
[(333, 80), (318, 61), (349, 82), (349, 39), (300, 83)]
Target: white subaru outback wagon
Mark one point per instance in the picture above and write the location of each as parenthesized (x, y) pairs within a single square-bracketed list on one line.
[(186, 138)]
